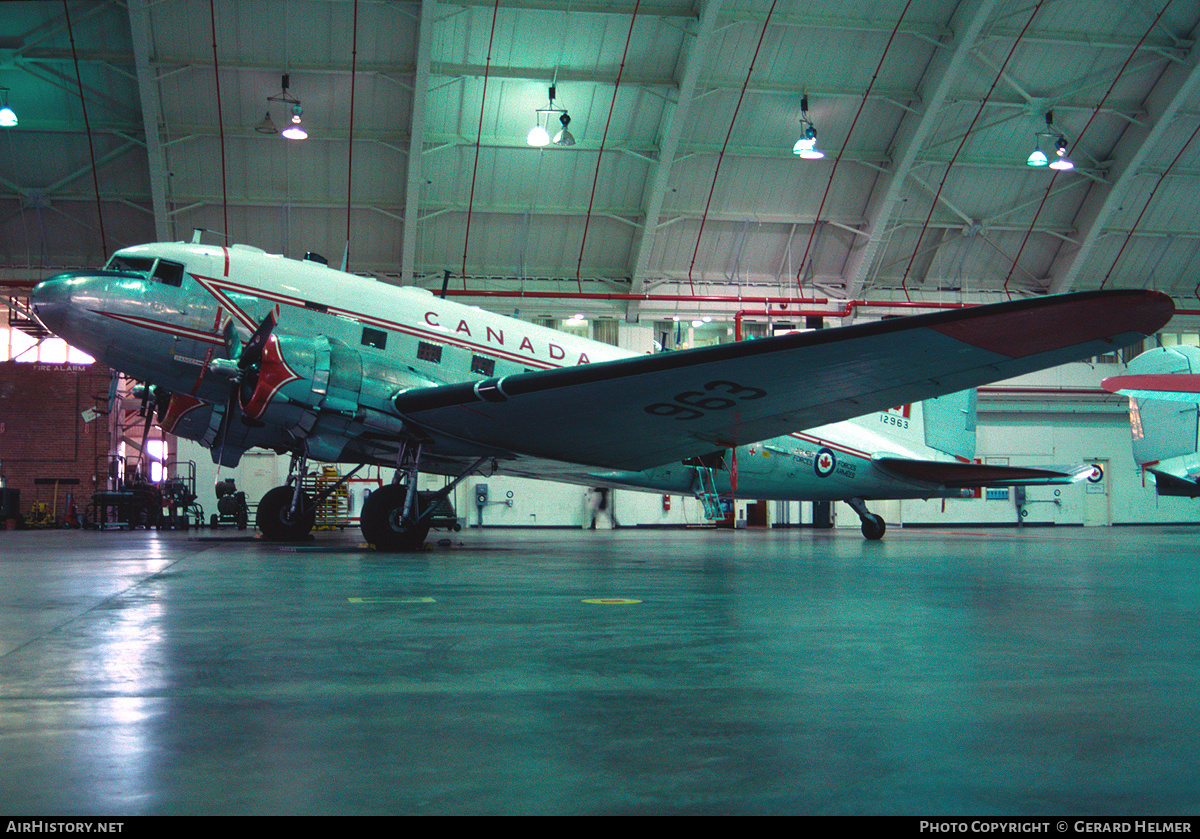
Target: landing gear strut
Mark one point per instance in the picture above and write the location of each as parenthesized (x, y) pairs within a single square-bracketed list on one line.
[(873, 526), (397, 517)]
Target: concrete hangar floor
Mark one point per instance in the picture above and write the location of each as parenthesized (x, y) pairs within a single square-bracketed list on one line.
[(635, 671)]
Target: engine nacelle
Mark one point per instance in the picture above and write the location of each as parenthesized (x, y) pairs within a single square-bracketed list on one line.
[(193, 419), (309, 386)]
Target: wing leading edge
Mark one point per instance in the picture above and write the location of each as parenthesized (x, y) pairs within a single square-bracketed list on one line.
[(635, 413)]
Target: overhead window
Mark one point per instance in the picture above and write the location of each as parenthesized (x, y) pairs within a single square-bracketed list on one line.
[(376, 338), (429, 352), (482, 365)]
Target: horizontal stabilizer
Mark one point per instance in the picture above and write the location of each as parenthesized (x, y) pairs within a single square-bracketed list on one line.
[(957, 475), (1173, 485), (1173, 387)]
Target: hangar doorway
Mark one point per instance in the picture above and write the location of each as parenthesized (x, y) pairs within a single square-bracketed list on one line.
[(1097, 506)]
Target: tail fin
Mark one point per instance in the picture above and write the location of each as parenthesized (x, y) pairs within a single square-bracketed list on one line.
[(950, 423), (1164, 429)]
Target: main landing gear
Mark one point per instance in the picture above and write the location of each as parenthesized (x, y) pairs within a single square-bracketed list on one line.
[(873, 526), (397, 517), (393, 518), (287, 513)]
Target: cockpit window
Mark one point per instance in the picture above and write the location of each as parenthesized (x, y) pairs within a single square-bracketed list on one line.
[(140, 264), (161, 270), (170, 273)]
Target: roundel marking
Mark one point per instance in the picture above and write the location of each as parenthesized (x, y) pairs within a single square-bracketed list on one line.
[(1097, 474), (824, 463)]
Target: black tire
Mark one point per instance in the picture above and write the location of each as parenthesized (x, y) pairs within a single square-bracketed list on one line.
[(382, 520), (873, 527), (277, 524)]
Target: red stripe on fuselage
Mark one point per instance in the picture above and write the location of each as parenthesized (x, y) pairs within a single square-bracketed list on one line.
[(220, 289)]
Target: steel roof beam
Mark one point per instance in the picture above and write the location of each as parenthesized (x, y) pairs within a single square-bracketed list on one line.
[(1177, 87), (416, 142), (139, 24), (944, 73)]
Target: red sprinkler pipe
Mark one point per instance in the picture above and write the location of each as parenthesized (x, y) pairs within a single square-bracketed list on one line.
[(350, 148), (728, 134), (212, 14), (1150, 199), (1075, 145), (845, 312), (670, 298), (963, 142), (88, 126), (478, 141), (603, 139), (813, 232)]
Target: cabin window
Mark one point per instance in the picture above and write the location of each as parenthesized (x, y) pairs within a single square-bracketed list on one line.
[(376, 338), (169, 273), (429, 352), (483, 366)]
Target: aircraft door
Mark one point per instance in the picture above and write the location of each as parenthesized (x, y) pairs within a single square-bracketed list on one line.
[(1097, 508)]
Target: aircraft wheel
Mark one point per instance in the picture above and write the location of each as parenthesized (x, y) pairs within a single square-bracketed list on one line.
[(383, 523), (276, 522), (873, 526)]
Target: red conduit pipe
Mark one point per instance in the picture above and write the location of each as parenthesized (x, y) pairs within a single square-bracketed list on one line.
[(350, 150), (812, 233), (845, 312), (588, 218), (617, 296), (963, 142), (1075, 145), (1129, 235), (728, 134), (212, 14), (478, 141), (88, 126)]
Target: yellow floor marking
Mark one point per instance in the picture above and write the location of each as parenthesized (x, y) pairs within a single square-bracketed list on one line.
[(391, 600)]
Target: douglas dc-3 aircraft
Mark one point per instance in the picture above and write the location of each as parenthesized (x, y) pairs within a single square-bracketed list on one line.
[(1163, 386), (258, 350)]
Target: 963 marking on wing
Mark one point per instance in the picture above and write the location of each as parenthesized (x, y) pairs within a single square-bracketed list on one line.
[(716, 396)]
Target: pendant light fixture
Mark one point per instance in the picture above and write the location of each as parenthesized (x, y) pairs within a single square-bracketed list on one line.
[(539, 135), (1051, 138), (295, 129), (8, 117), (806, 146)]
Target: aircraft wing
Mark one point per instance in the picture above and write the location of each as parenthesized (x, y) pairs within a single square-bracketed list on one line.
[(1174, 485), (969, 475), (635, 413), (1172, 387)]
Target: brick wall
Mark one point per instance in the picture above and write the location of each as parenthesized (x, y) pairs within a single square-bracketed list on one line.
[(43, 433)]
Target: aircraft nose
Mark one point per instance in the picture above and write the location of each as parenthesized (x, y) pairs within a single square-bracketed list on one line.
[(58, 301), (51, 301)]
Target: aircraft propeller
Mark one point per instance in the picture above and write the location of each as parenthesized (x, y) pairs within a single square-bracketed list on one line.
[(242, 366)]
